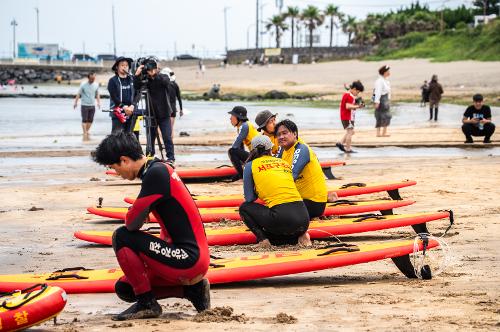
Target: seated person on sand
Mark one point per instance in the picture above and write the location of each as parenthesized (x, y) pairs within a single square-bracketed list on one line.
[(284, 218), (477, 121), (246, 132), (173, 265), (306, 169), (266, 123)]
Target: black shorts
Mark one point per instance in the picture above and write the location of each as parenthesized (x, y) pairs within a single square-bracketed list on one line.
[(347, 124), (88, 113)]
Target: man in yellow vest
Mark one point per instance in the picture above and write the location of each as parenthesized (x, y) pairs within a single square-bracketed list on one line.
[(306, 169), (246, 132)]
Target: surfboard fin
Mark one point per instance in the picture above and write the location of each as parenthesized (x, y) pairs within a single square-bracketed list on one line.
[(329, 174), (394, 194), (420, 228), (403, 263)]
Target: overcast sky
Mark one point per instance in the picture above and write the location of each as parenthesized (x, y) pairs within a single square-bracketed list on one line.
[(162, 27)]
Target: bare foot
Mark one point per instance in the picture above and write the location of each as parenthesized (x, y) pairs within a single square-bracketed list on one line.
[(305, 240), (379, 135), (332, 196), (386, 135), (264, 244)]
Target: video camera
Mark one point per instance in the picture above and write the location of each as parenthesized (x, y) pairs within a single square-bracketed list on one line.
[(149, 63)]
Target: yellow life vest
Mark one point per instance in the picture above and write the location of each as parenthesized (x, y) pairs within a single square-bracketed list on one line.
[(252, 132), (273, 181), (311, 182)]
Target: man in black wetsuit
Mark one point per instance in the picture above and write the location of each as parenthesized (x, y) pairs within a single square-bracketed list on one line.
[(173, 265), (158, 86)]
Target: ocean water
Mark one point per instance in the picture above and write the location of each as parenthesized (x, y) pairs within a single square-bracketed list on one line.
[(51, 123)]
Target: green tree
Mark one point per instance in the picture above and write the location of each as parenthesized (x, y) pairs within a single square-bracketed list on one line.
[(292, 13), (486, 7), (312, 18), (349, 27), (333, 12), (278, 23)]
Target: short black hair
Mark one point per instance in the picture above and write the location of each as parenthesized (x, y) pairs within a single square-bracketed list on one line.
[(289, 124), (477, 97), (116, 145), (91, 74), (358, 86)]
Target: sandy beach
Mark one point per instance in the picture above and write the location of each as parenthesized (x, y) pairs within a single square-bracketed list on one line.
[(42, 206)]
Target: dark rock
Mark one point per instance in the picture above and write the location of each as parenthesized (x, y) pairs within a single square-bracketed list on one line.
[(275, 94)]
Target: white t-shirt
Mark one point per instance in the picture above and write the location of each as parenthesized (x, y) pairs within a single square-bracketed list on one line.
[(382, 87)]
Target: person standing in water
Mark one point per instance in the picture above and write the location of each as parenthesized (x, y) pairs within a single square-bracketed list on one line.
[(246, 132), (89, 95), (381, 98), (435, 92), (284, 218)]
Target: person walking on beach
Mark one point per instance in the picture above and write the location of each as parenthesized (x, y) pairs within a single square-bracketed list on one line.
[(306, 169), (348, 106), (89, 95), (424, 94), (246, 132), (477, 121), (173, 265), (283, 219), (435, 92), (381, 98), (121, 95), (174, 94), (266, 124)]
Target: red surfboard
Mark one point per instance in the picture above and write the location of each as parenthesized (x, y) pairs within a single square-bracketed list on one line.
[(235, 269), (239, 235), (225, 172), (345, 190), (339, 207)]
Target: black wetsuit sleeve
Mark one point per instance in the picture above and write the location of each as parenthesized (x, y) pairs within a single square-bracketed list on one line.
[(301, 157), (248, 184), (178, 94), (155, 188), (114, 91)]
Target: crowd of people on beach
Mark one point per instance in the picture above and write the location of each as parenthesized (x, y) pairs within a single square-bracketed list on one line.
[(283, 183)]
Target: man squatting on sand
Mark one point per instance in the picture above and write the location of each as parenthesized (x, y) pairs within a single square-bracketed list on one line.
[(173, 265)]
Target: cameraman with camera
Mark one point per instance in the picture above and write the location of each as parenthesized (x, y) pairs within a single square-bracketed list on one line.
[(148, 77)]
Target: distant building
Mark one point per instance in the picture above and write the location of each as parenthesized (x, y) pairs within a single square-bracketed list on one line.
[(42, 51), (481, 19)]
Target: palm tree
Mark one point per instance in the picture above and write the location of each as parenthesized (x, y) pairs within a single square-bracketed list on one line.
[(312, 19), (349, 27), (293, 14), (278, 22), (332, 11)]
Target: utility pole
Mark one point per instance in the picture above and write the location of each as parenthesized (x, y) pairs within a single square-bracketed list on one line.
[(37, 25), (114, 30), (257, 25), (225, 26), (14, 24)]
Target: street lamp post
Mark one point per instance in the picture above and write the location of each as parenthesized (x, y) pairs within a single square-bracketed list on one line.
[(225, 26), (37, 25), (14, 24)]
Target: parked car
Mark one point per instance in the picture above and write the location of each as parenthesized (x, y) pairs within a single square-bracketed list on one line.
[(82, 57), (186, 57), (106, 57)]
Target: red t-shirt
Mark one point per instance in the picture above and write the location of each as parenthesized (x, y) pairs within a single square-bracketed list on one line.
[(346, 114)]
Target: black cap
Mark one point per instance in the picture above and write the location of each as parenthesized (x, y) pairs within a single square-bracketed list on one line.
[(120, 59), (240, 112)]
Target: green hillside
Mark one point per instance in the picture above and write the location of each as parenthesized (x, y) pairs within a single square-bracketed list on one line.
[(464, 43)]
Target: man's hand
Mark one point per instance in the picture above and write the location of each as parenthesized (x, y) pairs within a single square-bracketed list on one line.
[(181, 113), (98, 105), (128, 110), (139, 70), (377, 105)]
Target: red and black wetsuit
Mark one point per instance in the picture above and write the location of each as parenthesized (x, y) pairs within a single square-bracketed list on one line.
[(180, 256)]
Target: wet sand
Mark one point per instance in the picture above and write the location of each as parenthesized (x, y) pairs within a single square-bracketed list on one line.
[(372, 296)]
